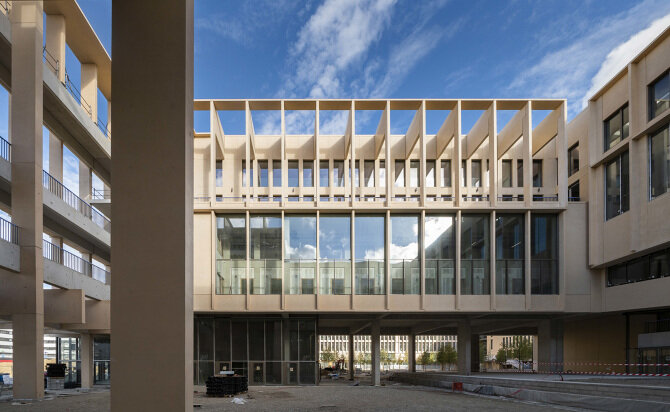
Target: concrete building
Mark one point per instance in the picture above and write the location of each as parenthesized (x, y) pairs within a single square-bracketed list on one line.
[(523, 224)]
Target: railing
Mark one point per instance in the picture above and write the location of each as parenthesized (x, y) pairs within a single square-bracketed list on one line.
[(405, 277), (98, 194), (69, 260), (57, 188), (655, 326), (77, 94), (541, 198), (5, 149), (50, 60), (475, 277), (9, 231), (5, 5), (370, 276), (544, 276), (104, 128), (510, 276), (574, 199), (440, 276), (299, 276)]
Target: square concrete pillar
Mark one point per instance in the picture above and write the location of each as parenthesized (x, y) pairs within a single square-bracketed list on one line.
[(55, 45), (89, 90), (550, 345), (411, 353), (26, 137), (375, 358), (55, 157), (152, 354), (84, 181), (86, 350), (351, 357), (464, 347)]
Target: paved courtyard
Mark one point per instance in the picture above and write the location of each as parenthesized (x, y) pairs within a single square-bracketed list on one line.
[(341, 397)]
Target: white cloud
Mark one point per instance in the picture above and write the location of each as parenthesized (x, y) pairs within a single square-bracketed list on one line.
[(621, 55), (567, 72)]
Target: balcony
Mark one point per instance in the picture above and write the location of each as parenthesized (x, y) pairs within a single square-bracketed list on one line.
[(68, 271), (10, 257)]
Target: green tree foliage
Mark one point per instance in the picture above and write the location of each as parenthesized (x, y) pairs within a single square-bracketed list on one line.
[(446, 355), (425, 359), (328, 356), (385, 358)]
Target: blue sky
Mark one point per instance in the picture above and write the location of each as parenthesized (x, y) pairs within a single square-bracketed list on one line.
[(402, 49)]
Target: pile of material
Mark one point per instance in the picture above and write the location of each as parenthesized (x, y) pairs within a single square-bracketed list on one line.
[(226, 385)]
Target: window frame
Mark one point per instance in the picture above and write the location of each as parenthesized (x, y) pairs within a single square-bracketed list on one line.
[(606, 123), (651, 101), (571, 170)]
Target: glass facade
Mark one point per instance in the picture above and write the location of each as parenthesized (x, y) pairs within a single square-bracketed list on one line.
[(659, 162), (219, 173), (265, 255), (231, 255), (293, 173), (440, 253), (659, 95), (369, 173), (616, 127), (519, 173), (476, 166), (101, 360), (414, 173), (537, 172), (299, 254), (276, 173), (267, 351), (323, 173), (506, 167), (68, 352), (544, 254), (334, 255), (263, 173), (308, 173), (430, 173), (404, 252), (446, 173), (399, 173), (652, 266), (475, 252), (573, 159), (338, 173), (370, 254), (616, 186), (510, 254)]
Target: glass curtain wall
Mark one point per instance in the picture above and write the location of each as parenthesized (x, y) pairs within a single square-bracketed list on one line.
[(334, 255), (659, 160), (475, 278), (231, 255), (307, 173), (509, 254), (68, 352), (293, 173), (440, 254), (101, 360), (616, 186), (405, 263), (544, 254), (265, 255), (276, 173), (299, 254), (370, 255)]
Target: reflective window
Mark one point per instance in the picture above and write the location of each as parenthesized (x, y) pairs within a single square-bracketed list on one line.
[(231, 255), (616, 186), (265, 255), (369, 173), (440, 251), (616, 127), (334, 255), (244, 174), (263, 173), (414, 173), (276, 173), (399, 173), (519, 172), (509, 254), (338, 173), (382, 173), (537, 172), (475, 278), (506, 167), (446, 173), (430, 173), (476, 166), (659, 163), (544, 254), (573, 192), (300, 254), (293, 173), (357, 174), (308, 173), (323, 173), (370, 257), (405, 265), (219, 173), (659, 95), (573, 159)]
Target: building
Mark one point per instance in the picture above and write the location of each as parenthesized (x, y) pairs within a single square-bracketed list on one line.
[(522, 224), (396, 346)]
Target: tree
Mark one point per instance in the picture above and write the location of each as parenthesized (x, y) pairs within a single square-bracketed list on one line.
[(425, 359), (501, 356), (328, 356), (385, 358), (446, 355), (360, 358)]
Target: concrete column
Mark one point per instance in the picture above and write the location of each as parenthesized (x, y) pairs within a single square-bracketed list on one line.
[(109, 117), (55, 157), (527, 150), (375, 353), (89, 90), (55, 44), (153, 258), (464, 347), (84, 181), (550, 345), (26, 137), (411, 353), (351, 357), (86, 348)]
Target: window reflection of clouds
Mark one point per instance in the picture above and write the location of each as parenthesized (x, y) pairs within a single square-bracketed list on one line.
[(334, 237), (404, 237), (369, 233), (439, 237), (300, 237)]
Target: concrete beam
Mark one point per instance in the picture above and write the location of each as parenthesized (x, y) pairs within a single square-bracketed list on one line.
[(446, 133), (510, 133), (382, 131), (64, 306), (413, 132), (477, 134), (97, 317)]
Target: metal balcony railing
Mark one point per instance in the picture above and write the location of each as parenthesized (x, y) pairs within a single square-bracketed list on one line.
[(57, 188), (5, 149), (50, 60), (98, 194), (69, 260), (9, 231)]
